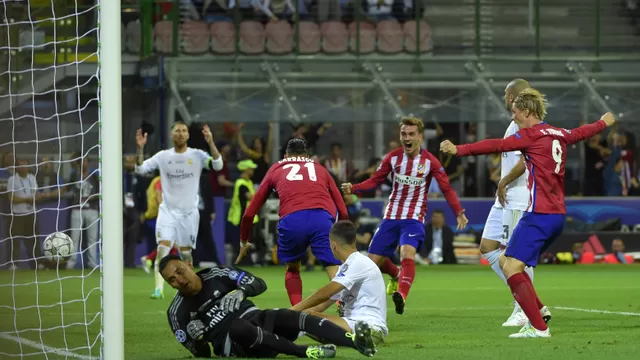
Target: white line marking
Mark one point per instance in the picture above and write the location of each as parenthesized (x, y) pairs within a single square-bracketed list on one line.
[(46, 349), (624, 313)]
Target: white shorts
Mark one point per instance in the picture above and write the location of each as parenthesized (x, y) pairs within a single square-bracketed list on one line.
[(500, 224), (179, 228)]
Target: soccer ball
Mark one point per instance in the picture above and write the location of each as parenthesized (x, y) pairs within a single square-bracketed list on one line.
[(58, 247)]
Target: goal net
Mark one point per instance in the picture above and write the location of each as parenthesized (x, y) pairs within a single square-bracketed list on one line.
[(50, 166)]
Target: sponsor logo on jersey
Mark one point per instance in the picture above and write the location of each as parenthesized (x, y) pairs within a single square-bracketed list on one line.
[(181, 336), (409, 180)]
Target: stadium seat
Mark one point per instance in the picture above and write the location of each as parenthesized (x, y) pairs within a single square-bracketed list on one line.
[(310, 38), (587, 257), (279, 37), (134, 37), (410, 37), (390, 37), (252, 37), (334, 37), (367, 38), (163, 37), (223, 37), (611, 259), (194, 37)]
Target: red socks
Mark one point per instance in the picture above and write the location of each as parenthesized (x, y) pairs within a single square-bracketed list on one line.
[(525, 295), (407, 274), (293, 284), (152, 255), (540, 304), (388, 267)]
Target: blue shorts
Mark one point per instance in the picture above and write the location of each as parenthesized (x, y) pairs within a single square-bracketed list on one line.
[(391, 232), (532, 233), (302, 229)]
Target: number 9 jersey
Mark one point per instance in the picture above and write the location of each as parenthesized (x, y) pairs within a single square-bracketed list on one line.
[(301, 184), (544, 148)]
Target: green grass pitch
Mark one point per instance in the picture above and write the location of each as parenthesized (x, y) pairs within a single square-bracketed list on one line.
[(453, 312)]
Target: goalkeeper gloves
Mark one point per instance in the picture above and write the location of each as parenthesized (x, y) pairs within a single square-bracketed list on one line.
[(195, 329), (231, 302)]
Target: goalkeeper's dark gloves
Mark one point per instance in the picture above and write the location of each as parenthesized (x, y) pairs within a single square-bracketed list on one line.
[(232, 301), (195, 329)]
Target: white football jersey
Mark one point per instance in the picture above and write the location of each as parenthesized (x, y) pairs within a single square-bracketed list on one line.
[(517, 193), (179, 176), (364, 294)]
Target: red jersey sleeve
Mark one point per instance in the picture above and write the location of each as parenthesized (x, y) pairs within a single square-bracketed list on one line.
[(336, 195), (584, 132), (443, 181), (518, 141), (259, 198), (378, 178)]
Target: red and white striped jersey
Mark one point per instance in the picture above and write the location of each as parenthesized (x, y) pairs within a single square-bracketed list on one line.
[(411, 178)]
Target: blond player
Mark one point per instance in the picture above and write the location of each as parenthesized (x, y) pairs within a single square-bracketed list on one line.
[(178, 215), (512, 199)]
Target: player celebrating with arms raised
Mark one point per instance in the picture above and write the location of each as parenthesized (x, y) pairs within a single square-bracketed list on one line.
[(509, 206), (178, 215), (413, 168), (308, 201), (544, 147)]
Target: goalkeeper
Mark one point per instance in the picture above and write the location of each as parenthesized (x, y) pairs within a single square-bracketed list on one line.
[(211, 310)]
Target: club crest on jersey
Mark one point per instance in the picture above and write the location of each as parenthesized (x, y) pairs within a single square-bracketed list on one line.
[(421, 169), (190, 162), (181, 336), (233, 275)]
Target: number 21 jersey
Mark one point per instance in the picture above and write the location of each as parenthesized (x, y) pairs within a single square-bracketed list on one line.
[(301, 184)]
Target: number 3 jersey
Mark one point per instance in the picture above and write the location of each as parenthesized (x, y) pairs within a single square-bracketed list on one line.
[(301, 184), (517, 192), (544, 148)]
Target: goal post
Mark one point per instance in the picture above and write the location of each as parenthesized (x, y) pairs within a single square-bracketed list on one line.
[(110, 117)]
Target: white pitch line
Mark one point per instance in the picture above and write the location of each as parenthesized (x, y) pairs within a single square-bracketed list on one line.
[(624, 313), (45, 348)]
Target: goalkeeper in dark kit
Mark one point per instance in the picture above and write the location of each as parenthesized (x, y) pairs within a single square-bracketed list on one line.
[(211, 312)]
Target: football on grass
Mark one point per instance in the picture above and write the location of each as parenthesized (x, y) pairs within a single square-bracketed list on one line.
[(58, 247)]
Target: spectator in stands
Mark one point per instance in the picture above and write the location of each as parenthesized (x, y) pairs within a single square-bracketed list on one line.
[(22, 188), (337, 165), (364, 174), (454, 169), (470, 164), (133, 188), (364, 233), (576, 251), (438, 242), (595, 154), (611, 174), (629, 169), (310, 133), (219, 180), (258, 152), (84, 187), (46, 175), (617, 255)]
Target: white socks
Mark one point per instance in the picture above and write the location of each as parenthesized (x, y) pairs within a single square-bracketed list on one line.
[(186, 256), (492, 257), (162, 252)]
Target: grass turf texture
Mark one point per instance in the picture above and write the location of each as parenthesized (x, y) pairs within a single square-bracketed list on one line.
[(453, 312)]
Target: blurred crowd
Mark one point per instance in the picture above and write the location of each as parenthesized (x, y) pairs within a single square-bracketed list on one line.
[(631, 9)]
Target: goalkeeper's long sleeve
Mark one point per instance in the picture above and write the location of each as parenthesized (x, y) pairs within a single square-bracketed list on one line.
[(235, 278), (250, 284)]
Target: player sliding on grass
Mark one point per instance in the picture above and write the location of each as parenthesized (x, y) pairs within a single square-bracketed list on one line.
[(544, 148), (358, 285), (413, 168), (511, 201), (178, 215), (308, 201), (211, 310)]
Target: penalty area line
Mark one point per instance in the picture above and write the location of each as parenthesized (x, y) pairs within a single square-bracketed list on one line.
[(46, 349), (623, 313)]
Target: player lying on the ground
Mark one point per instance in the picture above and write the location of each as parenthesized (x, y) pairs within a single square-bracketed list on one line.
[(512, 199), (211, 310), (413, 169), (358, 285), (309, 200), (544, 147), (178, 214)]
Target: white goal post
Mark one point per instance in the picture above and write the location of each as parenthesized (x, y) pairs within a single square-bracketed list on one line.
[(110, 62)]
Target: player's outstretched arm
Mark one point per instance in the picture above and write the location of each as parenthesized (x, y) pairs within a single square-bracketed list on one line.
[(216, 157), (250, 284), (518, 141), (321, 296), (445, 186), (589, 130), (378, 178)]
